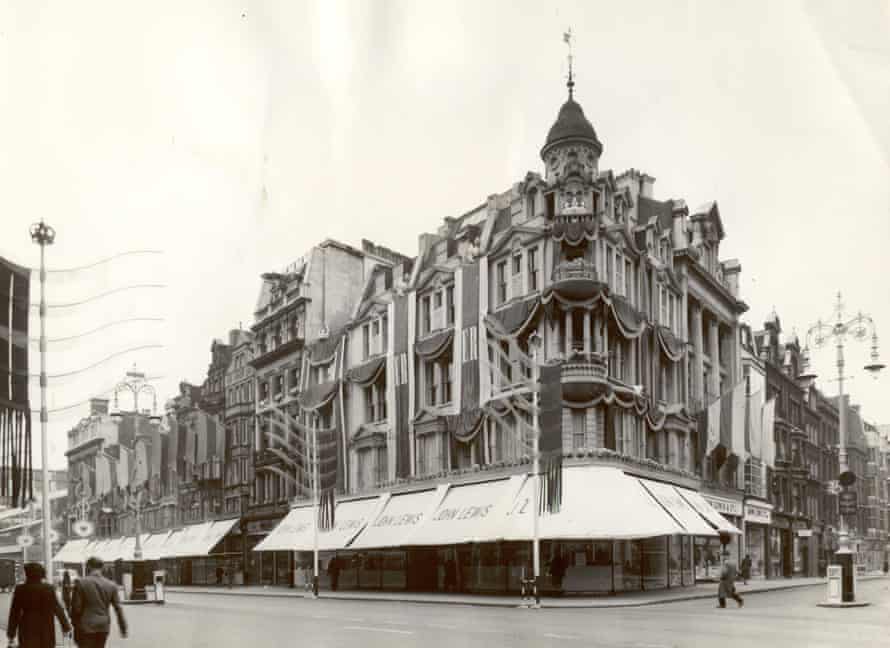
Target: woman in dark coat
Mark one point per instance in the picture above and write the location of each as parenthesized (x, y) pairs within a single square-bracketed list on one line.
[(34, 610)]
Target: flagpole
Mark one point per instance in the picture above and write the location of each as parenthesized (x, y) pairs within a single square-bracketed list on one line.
[(536, 541), (315, 497)]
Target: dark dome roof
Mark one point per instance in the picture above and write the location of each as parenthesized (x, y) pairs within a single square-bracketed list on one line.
[(572, 124)]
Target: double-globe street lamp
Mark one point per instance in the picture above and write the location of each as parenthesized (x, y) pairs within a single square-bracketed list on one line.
[(821, 334), (136, 383)]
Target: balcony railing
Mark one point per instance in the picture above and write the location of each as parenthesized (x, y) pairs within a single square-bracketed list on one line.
[(577, 269), (585, 366)]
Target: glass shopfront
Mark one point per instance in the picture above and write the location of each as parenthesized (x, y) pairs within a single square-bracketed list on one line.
[(776, 553), (755, 543)]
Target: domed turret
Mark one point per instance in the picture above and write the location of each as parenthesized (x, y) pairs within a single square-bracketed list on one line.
[(571, 126), (571, 143)]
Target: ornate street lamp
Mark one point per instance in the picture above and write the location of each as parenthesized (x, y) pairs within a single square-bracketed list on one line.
[(43, 235), (136, 383), (821, 334)]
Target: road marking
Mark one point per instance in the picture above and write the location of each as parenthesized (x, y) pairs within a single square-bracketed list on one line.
[(560, 636), (370, 629)]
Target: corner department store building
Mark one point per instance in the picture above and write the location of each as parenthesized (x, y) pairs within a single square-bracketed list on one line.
[(432, 445)]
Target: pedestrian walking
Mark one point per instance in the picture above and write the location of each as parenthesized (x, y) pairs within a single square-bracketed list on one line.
[(746, 568), (93, 596), (728, 577), (220, 572), (35, 607), (67, 591)]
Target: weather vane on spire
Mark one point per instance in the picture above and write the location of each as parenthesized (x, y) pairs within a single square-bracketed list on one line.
[(567, 39)]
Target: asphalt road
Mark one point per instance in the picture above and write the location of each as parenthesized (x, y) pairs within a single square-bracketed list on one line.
[(786, 619)]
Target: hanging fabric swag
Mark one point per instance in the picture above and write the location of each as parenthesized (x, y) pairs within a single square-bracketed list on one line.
[(16, 487)]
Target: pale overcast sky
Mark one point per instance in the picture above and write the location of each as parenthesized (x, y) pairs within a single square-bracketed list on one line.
[(235, 135)]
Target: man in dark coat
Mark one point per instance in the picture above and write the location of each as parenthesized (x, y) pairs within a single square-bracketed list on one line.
[(93, 595), (34, 610)]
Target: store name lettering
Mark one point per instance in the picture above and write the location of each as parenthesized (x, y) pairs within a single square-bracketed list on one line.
[(730, 508), (755, 513), (466, 513), (398, 520)]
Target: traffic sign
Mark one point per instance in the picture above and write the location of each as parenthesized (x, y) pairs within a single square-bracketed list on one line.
[(847, 501)]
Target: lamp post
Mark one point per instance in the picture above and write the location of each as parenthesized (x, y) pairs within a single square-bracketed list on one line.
[(822, 334), (43, 235), (534, 342)]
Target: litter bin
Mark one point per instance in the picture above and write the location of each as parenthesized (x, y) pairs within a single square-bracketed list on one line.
[(159, 579)]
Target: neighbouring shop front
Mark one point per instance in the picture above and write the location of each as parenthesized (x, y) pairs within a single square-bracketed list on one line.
[(709, 553), (758, 517), (475, 537)]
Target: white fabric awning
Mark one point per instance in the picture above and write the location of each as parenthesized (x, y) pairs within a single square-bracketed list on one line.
[(400, 519), (597, 503), (296, 531), (153, 547), (708, 512), (171, 546), (126, 550), (74, 551), (470, 513), (194, 540), (679, 508)]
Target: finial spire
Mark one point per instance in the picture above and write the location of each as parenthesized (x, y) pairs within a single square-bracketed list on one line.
[(567, 39)]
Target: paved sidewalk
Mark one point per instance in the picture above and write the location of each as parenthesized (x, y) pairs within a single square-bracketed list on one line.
[(629, 599)]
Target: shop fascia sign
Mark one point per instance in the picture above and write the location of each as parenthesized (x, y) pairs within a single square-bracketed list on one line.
[(758, 513), (724, 506)]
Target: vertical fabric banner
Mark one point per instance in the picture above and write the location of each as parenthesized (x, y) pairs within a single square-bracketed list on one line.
[(16, 486), (755, 425), (550, 405), (550, 445), (400, 360), (713, 422), (767, 425), (469, 327), (738, 420)]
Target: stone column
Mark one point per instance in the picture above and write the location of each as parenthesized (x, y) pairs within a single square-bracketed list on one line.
[(698, 366), (569, 336), (587, 348), (553, 345)]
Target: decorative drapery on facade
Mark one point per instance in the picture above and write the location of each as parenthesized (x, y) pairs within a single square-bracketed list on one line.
[(367, 373), (515, 319), (315, 397), (324, 351), (465, 426), (433, 346), (16, 487), (630, 321), (575, 232), (674, 348)]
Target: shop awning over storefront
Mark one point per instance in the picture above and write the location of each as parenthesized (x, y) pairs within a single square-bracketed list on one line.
[(171, 546), (74, 551), (196, 540), (296, 530), (470, 513), (125, 549), (152, 549), (400, 519), (291, 532), (13, 550), (708, 512), (598, 503), (679, 508), (105, 549)]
